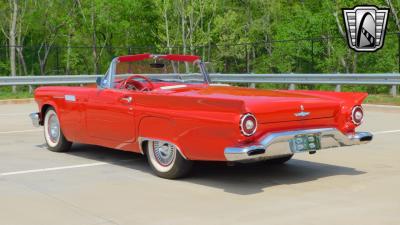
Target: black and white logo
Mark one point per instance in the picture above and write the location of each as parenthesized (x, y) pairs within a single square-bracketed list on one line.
[(365, 27)]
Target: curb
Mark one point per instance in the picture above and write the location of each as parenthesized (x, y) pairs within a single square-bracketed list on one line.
[(382, 106), (17, 101)]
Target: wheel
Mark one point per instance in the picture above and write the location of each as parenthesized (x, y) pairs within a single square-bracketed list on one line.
[(166, 161), (53, 134), (280, 160)]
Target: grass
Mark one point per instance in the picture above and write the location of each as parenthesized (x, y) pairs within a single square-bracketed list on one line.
[(383, 100), (22, 92), (19, 95)]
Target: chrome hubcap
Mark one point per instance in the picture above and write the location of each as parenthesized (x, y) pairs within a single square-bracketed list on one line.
[(53, 128), (164, 152)]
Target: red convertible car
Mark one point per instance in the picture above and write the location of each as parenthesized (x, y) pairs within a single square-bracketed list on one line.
[(175, 115)]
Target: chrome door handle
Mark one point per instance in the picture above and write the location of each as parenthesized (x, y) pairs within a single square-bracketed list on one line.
[(127, 99)]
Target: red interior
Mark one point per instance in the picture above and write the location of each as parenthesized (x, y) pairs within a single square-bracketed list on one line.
[(156, 85)]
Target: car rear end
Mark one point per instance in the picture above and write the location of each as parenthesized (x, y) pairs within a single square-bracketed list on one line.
[(293, 122)]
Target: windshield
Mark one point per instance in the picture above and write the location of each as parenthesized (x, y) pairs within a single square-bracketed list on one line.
[(161, 69), (158, 68)]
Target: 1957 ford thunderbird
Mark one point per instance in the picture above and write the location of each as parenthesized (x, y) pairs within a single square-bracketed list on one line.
[(175, 115)]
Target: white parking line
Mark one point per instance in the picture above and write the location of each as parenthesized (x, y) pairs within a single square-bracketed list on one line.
[(53, 168), (99, 163), (20, 131), (386, 132), (15, 114)]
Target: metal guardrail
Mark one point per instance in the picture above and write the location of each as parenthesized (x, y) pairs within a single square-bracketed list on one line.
[(292, 79)]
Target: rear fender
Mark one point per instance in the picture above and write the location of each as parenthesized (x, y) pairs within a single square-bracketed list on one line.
[(349, 98), (157, 128)]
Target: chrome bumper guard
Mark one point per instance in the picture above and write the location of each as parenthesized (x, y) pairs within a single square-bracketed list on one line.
[(274, 145), (35, 119)]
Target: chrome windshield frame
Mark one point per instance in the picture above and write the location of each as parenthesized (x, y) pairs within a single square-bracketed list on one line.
[(109, 77), (203, 70)]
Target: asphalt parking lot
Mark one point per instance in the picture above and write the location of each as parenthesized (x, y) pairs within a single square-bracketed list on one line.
[(94, 185)]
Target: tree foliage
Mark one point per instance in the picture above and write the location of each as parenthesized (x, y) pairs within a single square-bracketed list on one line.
[(253, 36)]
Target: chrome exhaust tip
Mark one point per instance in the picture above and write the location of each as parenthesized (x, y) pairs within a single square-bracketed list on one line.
[(256, 152)]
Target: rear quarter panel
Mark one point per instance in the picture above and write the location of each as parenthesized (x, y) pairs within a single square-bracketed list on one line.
[(201, 127)]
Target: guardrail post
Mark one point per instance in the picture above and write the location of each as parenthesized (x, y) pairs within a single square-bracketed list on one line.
[(252, 85), (393, 90), (338, 88), (292, 87)]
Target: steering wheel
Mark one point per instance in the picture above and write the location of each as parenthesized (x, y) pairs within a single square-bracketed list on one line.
[(130, 82)]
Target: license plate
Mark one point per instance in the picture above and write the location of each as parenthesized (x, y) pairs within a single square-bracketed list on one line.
[(305, 143)]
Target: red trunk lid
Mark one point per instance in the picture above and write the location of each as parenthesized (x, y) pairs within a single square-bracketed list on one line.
[(293, 109)]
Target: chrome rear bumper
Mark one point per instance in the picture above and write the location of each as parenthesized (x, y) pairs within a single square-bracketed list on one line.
[(275, 145)]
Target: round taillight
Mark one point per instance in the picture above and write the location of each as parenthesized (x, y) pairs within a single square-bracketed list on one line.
[(248, 124), (357, 115)]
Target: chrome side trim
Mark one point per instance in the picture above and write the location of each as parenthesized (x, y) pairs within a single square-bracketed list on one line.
[(142, 139), (220, 85), (173, 87), (70, 98), (35, 119), (277, 144)]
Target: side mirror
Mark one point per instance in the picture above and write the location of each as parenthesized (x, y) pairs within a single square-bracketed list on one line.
[(98, 81)]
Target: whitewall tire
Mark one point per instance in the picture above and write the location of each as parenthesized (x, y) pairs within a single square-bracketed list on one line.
[(166, 160), (53, 134)]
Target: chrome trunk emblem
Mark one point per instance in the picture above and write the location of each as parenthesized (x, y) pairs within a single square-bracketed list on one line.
[(302, 113)]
